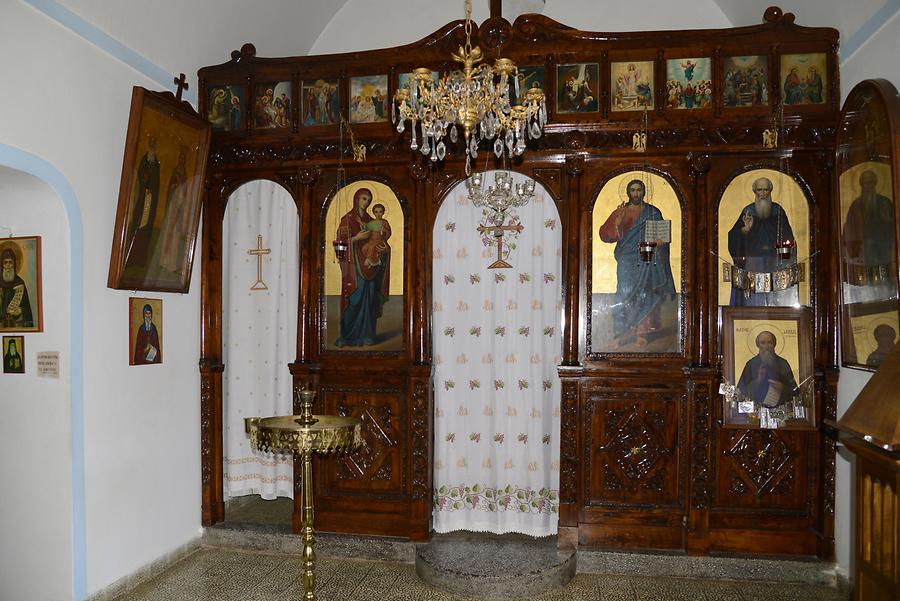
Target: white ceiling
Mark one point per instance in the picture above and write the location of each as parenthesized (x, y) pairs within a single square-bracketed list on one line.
[(181, 36), (845, 16)]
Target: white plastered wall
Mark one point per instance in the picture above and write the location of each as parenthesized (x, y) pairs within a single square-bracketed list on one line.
[(35, 433), (68, 104)]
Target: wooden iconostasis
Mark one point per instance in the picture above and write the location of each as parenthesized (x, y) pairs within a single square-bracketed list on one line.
[(663, 444)]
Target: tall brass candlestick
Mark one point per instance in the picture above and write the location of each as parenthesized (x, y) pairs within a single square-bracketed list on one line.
[(301, 436)]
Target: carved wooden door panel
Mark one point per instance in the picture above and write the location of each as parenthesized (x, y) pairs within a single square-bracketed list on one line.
[(762, 469), (377, 467), (632, 448)]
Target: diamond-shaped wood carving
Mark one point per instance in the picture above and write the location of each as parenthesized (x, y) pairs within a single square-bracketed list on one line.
[(762, 460), (371, 461), (636, 442)]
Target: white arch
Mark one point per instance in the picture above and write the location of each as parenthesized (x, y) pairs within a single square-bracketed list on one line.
[(26, 162)]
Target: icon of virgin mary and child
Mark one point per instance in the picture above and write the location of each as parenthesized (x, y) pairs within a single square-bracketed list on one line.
[(365, 270)]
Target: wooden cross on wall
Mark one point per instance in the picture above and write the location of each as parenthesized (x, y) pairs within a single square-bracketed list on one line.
[(498, 231), (259, 251)]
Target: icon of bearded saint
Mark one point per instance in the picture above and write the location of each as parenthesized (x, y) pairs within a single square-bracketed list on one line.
[(15, 307)]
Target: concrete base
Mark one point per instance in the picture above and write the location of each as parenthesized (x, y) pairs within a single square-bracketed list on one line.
[(280, 540), (491, 566)]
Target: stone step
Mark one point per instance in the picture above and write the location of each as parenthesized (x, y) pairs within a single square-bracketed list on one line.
[(487, 565), (279, 539), (494, 566)]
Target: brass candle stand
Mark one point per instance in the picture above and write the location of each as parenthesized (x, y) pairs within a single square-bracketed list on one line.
[(302, 436)]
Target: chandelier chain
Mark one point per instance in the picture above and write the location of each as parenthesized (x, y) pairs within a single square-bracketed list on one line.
[(468, 26)]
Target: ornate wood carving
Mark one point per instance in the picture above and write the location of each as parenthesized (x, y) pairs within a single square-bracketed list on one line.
[(630, 447), (308, 176), (288, 180), (383, 430), (575, 165), (494, 32), (568, 471), (379, 439), (636, 443), (829, 408), (761, 459), (421, 456), (773, 14), (830, 458), (205, 429), (700, 163), (444, 182), (419, 169), (551, 179), (737, 487), (697, 138), (701, 466), (611, 479)]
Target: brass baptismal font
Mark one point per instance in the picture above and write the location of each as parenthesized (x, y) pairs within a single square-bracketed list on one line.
[(302, 436)]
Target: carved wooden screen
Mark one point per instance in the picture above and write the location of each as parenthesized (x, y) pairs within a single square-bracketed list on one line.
[(646, 461)]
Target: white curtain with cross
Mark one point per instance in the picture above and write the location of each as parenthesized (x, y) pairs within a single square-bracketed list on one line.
[(259, 330), (497, 344)]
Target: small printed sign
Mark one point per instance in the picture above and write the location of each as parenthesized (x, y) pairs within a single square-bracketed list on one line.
[(48, 364)]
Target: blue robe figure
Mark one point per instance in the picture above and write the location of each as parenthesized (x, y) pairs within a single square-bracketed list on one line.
[(752, 243), (641, 287)]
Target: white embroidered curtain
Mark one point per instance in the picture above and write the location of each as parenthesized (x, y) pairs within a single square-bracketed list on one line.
[(259, 331), (497, 345)]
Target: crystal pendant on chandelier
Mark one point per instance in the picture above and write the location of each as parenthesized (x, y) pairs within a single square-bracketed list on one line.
[(476, 99)]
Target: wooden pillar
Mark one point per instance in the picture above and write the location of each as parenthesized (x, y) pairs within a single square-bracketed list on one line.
[(421, 402), (419, 273), (308, 177), (570, 371), (211, 367), (570, 468), (571, 262), (420, 457), (701, 216), (701, 415), (826, 294)]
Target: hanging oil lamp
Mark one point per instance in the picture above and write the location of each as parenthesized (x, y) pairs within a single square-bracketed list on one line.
[(340, 246), (340, 249), (647, 248), (784, 249)]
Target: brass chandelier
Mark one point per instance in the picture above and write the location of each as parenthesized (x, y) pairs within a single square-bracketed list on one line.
[(476, 99)]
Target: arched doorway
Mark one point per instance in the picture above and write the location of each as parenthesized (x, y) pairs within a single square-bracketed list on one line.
[(37, 200), (497, 344), (260, 267)]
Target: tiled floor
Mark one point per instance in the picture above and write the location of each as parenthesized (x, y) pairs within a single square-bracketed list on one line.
[(231, 575)]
